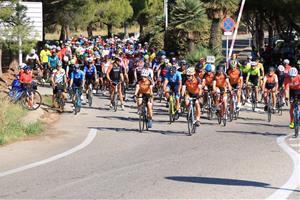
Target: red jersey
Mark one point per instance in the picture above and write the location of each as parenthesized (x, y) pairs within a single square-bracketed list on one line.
[(292, 84), (26, 78)]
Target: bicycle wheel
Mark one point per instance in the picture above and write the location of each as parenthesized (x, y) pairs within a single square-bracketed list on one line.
[(190, 122), (209, 110), (219, 116), (253, 99), (141, 120), (269, 107), (243, 97), (115, 102), (90, 97), (296, 122), (145, 121), (231, 110), (36, 102), (225, 112), (171, 109)]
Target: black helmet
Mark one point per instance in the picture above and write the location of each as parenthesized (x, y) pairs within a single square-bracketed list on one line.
[(220, 69)]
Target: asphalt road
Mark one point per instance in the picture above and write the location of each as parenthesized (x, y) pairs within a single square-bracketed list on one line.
[(241, 160)]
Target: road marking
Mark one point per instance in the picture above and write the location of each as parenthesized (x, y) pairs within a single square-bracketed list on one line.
[(91, 136), (294, 180)]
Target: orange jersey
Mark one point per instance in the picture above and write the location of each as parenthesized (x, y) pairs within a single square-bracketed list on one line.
[(200, 74), (292, 84), (193, 86), (234, 76), (209, 78), (221, 80), (144, 86), (271, 79)]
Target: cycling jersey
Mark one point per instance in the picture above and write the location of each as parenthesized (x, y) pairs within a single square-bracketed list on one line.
[(77, 78), (234, 76), (270, 81), (98, 66), (292, 84), (115, 73), (26, 78), (44, 55), (144, 86), (192, 86), (254, 72), (89, 72), (173, 78), (245, 69), (221, 80), (53, 61), (209, 78), (59, 77), (164, 69)]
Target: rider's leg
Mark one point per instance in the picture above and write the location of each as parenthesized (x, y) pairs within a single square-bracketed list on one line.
[(120, 94), (198, 110), (274, 98)]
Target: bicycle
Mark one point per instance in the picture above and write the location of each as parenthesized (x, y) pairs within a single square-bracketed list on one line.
[(143, 114), (269, 106), (296, 116), (280, 101), (90, 94), (59, 98), (191, 120), (244, 95), (253, 97), (221, 113), (115, 98), (233, 111), (23, 95), (208, 103), (173, 114), (77, 101)]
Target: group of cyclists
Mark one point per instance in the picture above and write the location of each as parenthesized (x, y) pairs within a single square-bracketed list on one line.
[(114, 64)]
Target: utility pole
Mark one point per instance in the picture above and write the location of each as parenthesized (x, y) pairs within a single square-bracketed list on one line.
[(236, 28), (166, 22)]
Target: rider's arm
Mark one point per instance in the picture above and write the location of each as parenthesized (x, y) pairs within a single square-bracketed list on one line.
[(276, 82), (247, 79), (71, 79), (214, 85), (108, 72), (228, 83)]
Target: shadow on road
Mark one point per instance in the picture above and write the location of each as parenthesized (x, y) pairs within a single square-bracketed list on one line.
[(263, 124), (136, 130), (254, 133), (224, 181)]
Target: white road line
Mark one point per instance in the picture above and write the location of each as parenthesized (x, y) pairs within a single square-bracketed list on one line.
[(294, 180), (86, 142)]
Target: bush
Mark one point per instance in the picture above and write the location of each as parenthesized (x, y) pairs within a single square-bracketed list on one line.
[(202, 52)]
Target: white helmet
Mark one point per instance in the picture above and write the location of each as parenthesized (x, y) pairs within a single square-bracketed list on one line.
[(145, 73), (167, 61), (58, 48), (66, 58), (293, 72), (190, 71), (286, 61), (32, 51), (22, 66), (281, 68)]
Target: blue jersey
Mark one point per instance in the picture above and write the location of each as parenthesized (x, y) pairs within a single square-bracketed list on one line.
[(90, 73), (77, 77), (53, 61), (173, 79)]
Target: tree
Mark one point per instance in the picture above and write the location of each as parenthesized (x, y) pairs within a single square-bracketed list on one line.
[(216, 11), (114, 13), (188, 16)]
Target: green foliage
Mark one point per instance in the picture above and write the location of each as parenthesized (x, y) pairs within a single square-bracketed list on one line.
[(114, 12), (202, 52), (11, 128)]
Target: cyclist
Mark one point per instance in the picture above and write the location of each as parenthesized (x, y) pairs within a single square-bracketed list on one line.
[(52, 60), (270, 84), (115, 76), (138, 69), (99, 68), (183, 69), (173, 82), (207, 81), (235, 76), (287, 66), (90, 73), (26, 81), (44, 54), (292, 84), (253, 78), (220, 84), (280, 75), (145, 87), (32, 60), (58, 81), (77, 80), (193, 90), (162, 72)]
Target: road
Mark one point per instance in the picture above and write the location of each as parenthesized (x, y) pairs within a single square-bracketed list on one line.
[(241, 160)]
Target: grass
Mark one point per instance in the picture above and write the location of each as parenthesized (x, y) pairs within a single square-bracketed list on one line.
[(11, 127), (47, 100)]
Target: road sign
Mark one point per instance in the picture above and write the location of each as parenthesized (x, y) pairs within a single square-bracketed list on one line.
[(210, 59), (228, 24)]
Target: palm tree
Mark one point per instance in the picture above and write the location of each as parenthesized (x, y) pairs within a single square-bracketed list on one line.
[(188, 16), (217, 10)]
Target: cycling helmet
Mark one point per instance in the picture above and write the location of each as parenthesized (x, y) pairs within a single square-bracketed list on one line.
[(253, 63), (25, 67), (208, 68), (32, 51), (72, 62), (190, 71), (22, 66), (145, 73), (293, 72), (90, 60), (281, 68), (98, 56), (58, 48), (183, 62), (167, 61), (271, 69), (173, 69), (286, 61), (66, 58), (77, 66), (233, 63), (146, 57), (59, 63), (220, 69)]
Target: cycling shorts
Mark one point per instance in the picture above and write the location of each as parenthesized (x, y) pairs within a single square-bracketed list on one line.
[(270, 86), (173, 88), (294, 94), (254, 80)]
